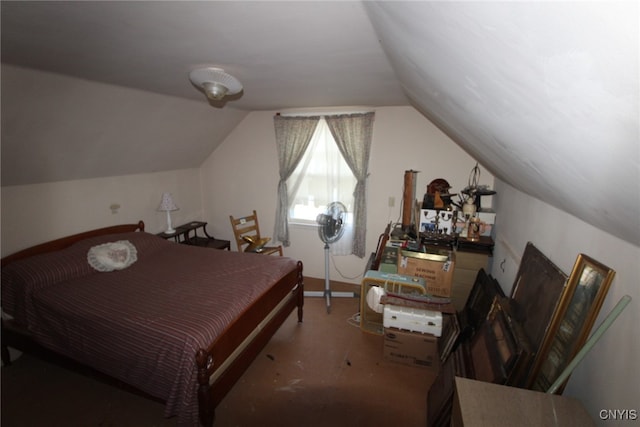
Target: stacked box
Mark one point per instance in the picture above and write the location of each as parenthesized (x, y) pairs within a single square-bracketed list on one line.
[(435, 269), (412, 319), (411, 348)]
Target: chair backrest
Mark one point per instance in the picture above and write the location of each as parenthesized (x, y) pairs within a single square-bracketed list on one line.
[(247, 226)]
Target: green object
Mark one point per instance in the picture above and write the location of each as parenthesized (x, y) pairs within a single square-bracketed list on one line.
[(593, 339), (389, 260)]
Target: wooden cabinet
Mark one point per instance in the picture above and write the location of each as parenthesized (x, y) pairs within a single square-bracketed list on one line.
[(467, 265)]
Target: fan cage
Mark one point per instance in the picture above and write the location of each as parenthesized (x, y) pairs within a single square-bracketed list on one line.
[(332, 222)]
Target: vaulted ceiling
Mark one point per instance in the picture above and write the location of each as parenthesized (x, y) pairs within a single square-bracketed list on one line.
[(543, 94)]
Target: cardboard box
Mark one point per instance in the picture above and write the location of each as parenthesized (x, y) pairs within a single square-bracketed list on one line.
[(411, 348), (437, 270)]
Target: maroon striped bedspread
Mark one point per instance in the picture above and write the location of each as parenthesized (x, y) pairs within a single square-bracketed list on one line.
[(144, 324)]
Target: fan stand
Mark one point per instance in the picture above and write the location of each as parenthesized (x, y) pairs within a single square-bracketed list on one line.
[(327, 294)]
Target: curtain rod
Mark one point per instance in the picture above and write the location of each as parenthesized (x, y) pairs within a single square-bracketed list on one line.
[(322, 113)]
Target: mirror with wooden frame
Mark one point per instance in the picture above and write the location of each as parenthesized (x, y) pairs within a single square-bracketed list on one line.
[(538, 288), (500, 350), (577, 311)]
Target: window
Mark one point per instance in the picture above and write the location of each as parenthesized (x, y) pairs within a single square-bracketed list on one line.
[(307, 194), (322, 177)]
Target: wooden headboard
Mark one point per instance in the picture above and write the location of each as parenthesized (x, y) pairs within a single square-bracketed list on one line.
[(64, 242)]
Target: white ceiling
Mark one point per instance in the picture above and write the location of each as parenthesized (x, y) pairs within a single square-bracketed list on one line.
[(286, 54), (543, 94)]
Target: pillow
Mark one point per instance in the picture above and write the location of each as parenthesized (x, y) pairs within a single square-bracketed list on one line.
[(112, 256), (145, 243)]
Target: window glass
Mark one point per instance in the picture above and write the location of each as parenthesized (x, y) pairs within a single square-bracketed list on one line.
[(321, 177)]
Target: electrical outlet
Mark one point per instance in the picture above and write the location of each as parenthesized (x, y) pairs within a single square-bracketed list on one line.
[(392, 201)]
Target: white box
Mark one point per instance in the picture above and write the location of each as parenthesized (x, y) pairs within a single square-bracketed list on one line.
[(412, 319), (487, 222), (437, 221)]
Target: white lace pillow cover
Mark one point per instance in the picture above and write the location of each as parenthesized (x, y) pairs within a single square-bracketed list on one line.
[(112, 256)]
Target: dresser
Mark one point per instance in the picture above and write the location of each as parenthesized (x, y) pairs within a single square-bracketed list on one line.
[(468, 263)]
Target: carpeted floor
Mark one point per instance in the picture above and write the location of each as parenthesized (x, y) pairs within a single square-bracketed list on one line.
[(324, 371)]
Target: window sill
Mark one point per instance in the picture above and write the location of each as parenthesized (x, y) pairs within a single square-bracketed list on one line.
[(301, 223)]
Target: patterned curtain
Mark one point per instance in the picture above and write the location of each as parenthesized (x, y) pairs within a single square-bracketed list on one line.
[(353, 133), (292, 139)]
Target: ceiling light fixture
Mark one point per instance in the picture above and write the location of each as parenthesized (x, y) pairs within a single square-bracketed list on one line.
[(215, 83)]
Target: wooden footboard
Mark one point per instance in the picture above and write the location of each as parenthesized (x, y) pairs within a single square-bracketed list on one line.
[(223, 363)]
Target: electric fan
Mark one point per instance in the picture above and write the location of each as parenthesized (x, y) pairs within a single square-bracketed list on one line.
[(331, 225)]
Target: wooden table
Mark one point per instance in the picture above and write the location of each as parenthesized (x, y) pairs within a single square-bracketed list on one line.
[(188, 234)]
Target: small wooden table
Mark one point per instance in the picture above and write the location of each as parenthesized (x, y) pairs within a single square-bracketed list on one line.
[(188, 234)]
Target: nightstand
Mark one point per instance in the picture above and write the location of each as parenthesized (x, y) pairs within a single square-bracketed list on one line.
[(187, 234)]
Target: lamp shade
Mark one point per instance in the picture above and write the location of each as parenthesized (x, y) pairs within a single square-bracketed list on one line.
[(167, 204)]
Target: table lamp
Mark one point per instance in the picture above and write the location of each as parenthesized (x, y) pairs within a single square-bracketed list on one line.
[(167, 205)]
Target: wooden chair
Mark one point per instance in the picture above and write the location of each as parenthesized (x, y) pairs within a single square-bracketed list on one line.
[(247, 233)]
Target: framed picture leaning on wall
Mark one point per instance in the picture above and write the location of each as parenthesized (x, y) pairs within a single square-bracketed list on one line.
[(538, 290), (578, 309)]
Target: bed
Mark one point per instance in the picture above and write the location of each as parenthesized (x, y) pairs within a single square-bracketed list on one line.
[(179, 323)]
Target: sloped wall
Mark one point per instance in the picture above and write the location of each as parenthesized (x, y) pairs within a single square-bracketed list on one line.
[(59, 128), (608, 377)]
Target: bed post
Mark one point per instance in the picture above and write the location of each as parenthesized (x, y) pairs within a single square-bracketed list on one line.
[(300, 291), (205, 399)]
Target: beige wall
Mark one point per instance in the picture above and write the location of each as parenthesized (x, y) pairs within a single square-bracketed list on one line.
[(36, 213), (242, 175)]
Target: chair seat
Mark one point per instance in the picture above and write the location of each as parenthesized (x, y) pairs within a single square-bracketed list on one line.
[(247, 233), (268, 250)]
